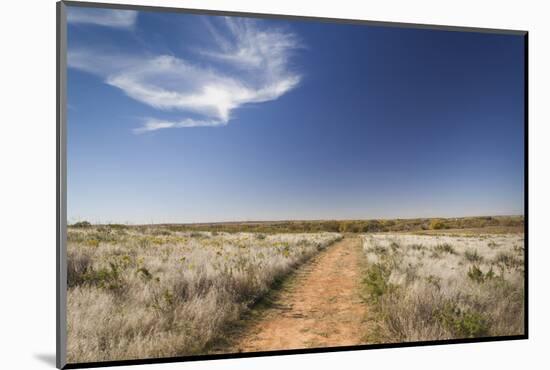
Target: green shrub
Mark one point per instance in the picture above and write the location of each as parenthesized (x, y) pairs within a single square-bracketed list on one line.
[(440, 249), (435, 281), (475, 274), (444, 248), (472, 256), (379, 250), (462, 323), (108, 278), (394, 246), (92, 243), (371, 226), (82, 224), (437, 224), (507, 260), (144, 273), (376, 281)]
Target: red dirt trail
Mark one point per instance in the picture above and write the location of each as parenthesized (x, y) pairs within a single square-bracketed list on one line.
[(321, 307)]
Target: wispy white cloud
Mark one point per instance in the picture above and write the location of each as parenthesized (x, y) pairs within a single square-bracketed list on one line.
[(247, 65), (98, 63), (103, 17), (153, 124)]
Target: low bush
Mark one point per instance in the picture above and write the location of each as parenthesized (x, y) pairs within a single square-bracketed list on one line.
[(461, 323), (81, 224), (472, 255)]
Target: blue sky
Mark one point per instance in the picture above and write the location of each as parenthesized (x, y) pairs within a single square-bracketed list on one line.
[(188, 118)]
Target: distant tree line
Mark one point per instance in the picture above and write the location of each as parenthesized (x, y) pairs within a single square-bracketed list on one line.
[(343, 226)]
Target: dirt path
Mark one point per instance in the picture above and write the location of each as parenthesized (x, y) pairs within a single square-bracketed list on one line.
[(321, 307)]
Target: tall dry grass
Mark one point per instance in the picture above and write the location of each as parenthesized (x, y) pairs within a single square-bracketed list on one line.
[(443, 287), (149, 292)]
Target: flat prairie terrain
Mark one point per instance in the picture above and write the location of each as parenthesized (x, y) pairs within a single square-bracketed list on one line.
[(145, 292), (160, 291)]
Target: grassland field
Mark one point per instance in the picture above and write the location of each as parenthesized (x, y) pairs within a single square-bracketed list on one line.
[(174, 290)]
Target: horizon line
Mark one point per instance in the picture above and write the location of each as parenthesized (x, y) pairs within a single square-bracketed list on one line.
[(296, 220)]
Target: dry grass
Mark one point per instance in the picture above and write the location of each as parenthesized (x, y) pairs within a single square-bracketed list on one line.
[(444, 287), (149, 292)]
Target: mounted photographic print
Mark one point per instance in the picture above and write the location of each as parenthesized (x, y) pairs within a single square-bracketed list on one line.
[(235, 185)]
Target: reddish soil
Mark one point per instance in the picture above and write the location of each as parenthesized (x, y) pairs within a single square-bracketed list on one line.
[(320, 307)]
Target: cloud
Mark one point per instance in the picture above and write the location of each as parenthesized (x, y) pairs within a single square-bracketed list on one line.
[(246, 65), (153, 124), (100, 64), (103, 17)]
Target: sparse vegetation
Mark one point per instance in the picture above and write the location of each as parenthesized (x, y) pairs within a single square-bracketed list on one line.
[(496, 224), (443, 287), (437, 224), (443, 248), (176, 290), (472, 255), (144, 292)]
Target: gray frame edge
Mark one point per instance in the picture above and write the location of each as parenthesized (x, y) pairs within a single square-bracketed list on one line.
[(61, 186), (152, 8)]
